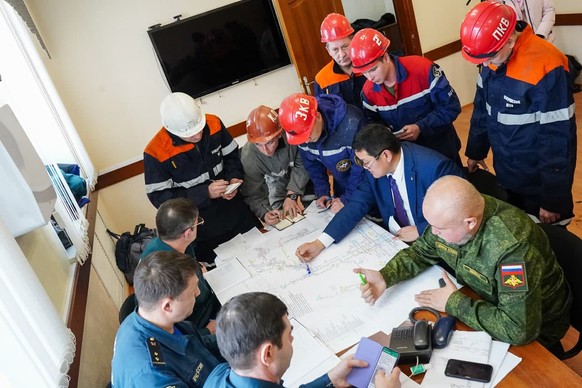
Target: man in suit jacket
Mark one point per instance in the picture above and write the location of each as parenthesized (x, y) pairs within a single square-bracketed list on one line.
[(410, 167)]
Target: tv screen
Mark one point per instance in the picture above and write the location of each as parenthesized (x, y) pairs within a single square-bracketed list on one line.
[(219, 48)]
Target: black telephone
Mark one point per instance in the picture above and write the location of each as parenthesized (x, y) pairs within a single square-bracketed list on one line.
[(417, 341)]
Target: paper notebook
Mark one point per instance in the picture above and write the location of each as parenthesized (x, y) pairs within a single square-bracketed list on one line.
[(288, 221)]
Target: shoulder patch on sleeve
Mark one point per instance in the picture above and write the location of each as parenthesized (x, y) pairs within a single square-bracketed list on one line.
[(436, 71), (513, 277), (155, 352)]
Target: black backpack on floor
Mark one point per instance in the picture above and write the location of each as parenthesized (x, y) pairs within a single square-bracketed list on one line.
[(129, 247)]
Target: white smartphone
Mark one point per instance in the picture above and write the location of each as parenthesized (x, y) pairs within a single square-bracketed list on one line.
[(399, 132), (232, 187)]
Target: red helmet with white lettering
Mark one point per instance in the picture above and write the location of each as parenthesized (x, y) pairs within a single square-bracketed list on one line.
[(334, 27), (367, 46), (262, 125), (485, 30), (297, 115)]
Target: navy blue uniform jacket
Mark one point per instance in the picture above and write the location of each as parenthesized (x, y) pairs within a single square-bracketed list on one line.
[(422, 166)]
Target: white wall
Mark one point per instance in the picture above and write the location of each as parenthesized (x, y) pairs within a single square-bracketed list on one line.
[(105, 69), (367, 9), (107, 74)]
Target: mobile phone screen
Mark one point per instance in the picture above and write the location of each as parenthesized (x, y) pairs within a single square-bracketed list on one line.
[(469, 370), (386, 362)]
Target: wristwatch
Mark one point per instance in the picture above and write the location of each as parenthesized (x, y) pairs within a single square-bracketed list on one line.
[(293, 196)]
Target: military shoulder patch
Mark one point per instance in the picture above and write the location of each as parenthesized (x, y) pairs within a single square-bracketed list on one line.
[(343, 165), (436, 71), (155, 352), (513, 277)]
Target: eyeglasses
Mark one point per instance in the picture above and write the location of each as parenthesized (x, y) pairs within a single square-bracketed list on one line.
[(368, 165), (199, 221)]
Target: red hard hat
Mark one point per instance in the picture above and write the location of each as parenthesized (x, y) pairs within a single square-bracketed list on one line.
[(485, 29), (367, 46), (334, 27), (297, 115), (262, 125)]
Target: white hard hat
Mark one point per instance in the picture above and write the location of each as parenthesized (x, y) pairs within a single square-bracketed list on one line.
[(181, 116)]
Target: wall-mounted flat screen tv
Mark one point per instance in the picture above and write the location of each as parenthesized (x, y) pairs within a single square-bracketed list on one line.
[(208, 52)]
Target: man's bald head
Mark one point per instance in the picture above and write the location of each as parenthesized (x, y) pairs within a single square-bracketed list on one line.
[(454, 209)]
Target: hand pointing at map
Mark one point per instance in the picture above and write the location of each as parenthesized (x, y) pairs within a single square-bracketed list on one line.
[(308, 251)]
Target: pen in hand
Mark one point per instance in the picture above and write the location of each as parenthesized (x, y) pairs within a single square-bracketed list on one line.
[(271, 211), (362, 278)]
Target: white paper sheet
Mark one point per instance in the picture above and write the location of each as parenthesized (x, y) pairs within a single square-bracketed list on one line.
[(311, 359), (496, 357), (509, 362), (226, 276), (327, 301), (464, 345)]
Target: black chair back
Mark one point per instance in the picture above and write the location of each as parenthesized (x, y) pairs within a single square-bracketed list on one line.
[(568, 249)]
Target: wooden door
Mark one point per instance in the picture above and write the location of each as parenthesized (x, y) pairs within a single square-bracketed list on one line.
[(301, 20), (407, 25)]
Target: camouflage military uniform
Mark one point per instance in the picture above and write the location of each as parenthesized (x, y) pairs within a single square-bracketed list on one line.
[(510, 265)]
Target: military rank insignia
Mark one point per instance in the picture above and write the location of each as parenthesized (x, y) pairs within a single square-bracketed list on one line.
[(155, 352), (513, 277)]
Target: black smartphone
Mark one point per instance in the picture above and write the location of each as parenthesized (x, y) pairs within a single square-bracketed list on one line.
[(469, 370)]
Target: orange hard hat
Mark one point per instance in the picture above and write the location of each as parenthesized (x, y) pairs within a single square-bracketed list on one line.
[(262, 125), (297, 115), (334, 27), (485, 29), (367, 46)]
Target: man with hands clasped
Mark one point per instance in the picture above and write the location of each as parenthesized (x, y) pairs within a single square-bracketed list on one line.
[(497, 251)]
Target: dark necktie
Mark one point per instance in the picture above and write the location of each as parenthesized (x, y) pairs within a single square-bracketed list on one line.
[(399, 212)]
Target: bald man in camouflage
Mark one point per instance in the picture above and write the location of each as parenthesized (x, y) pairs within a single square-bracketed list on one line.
[(496, 250)]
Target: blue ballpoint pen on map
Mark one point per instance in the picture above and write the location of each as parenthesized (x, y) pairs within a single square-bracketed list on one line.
[(328, 200)]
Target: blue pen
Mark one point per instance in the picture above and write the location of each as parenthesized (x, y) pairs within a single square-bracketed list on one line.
[(308, 269), (330, 198)]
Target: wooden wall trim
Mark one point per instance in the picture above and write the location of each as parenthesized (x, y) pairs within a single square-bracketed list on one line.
[(76, 318), (119, 175), (136, 168), (569, 19), (443, 51)]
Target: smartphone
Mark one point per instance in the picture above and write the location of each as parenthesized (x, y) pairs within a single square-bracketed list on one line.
[(469, 370), (232, 187), (386, 362)]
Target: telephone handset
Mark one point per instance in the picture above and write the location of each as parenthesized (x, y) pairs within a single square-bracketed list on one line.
[(417, 341), (421, 334)]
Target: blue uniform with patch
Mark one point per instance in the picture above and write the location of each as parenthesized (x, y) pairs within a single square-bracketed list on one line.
[(525, 113), (144, 355), (332, 80), (333, 150), (207, 304), (422, 96), (224, 377)]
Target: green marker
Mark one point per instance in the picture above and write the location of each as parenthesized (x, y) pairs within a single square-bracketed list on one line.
[(362, 278)]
